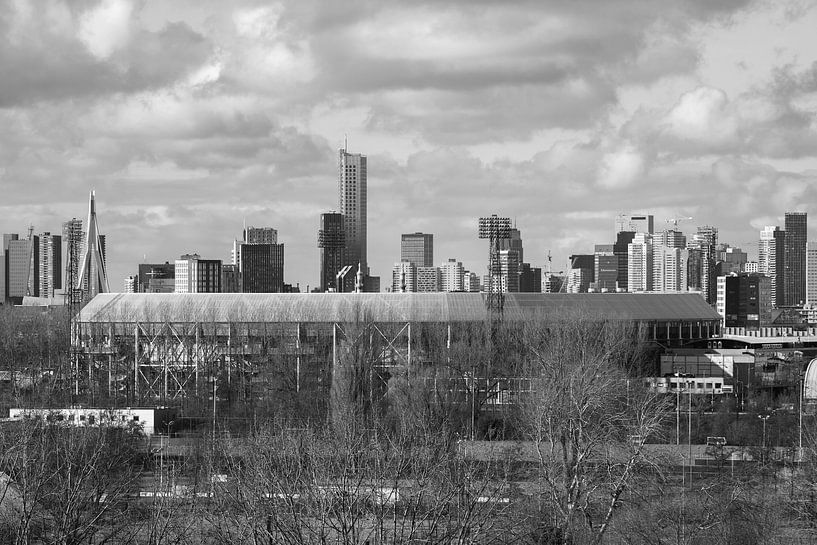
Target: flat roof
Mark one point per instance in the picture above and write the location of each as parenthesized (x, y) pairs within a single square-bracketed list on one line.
[(386, 307)]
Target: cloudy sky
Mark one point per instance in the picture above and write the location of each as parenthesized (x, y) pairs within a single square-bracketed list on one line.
[(189, 117)]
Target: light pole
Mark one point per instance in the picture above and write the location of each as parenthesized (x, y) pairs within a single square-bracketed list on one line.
[(677, 408), (764, 418)]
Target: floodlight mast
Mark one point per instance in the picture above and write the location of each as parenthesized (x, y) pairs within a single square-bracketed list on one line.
[(494, 228)]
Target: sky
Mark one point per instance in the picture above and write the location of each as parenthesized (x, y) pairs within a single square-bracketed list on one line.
[(189, 118)]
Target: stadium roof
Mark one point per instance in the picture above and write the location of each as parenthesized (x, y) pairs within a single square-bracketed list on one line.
[(385, 307)]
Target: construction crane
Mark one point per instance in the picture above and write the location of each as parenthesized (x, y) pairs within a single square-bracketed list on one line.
[(675, 221), (30, 264)]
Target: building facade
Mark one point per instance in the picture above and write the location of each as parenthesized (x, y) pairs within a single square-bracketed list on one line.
[(770, 261), (332, 242), (452, 273), (811, 273), (743, 300), (262, 268), (417, 248), (352, 203), (705, 240), (156, 277), (404, 277), (428, 279), (635, 223), (795, 258), (196, 275), (50, 273), (640, 263)]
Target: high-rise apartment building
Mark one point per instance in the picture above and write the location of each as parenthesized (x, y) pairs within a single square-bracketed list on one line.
[(640, 263), (621, 251), (196, 275), (705, 241), (811, 273), (428, 279), (50, 264), (262, 268), (352, 202), (635, 223), (795, 258), (670, 267), (17, 270), (331, 241), (452, 273), (404, 277), (770, 262), (470, 282), (671, 238), (417, 248)]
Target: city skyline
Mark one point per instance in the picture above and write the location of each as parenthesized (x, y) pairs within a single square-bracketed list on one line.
[(683, 113)]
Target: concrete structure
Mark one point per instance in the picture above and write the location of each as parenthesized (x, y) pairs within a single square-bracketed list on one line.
[(743, 300), (174, 347), (196, 275), (428, 279), (332, 243), (404, 277), (770, 261), (352, 204), (417, 248), (50, 265), (635, 223), (640, 263), (670, 266), (811, 273), (794, 260), (451, 276)]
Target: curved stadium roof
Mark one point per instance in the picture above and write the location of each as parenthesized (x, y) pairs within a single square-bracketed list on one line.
[(386, 307)]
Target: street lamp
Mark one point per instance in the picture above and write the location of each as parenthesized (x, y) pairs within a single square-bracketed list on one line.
[(764, 418)]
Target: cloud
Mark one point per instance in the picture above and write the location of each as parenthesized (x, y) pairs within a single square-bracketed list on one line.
[(106, 28), (621, 168)]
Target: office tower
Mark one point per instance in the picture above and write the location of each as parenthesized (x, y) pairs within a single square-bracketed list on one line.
[(705, 241), (452, 273), (635, 223), (621, 251), (671, 238), (352, 199), (771, 250), (730, 260), (670, 267), (331, 242), (260, 235), (513, 242), (428, 279), (92, 272), (811, 273), (417, 248), (794, 260), (130, 284), (530, 279), (262, 268), (743, 300), (404, 277), (196, 275), (605, 268), (581, 273), (230, 278), (18, 269), (640, 263), (156, 278), (50, 277)]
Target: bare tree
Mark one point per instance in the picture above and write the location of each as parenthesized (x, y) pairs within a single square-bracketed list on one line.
[(588, 422)]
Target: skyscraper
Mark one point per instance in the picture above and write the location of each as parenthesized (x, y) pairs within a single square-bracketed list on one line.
[(513, 242), (620, 250), (811, 273), (352, 198), (417, 248), (18, 261), (705, 241), (50, 277), (605, 268), (640, 263), (770, 261), (331, 242), (636, 223), (670, 268), (196, 275), (795, 258), (262, 268)]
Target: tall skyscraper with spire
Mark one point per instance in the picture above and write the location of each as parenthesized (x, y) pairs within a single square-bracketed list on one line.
[(92, 265), (352, 203)]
